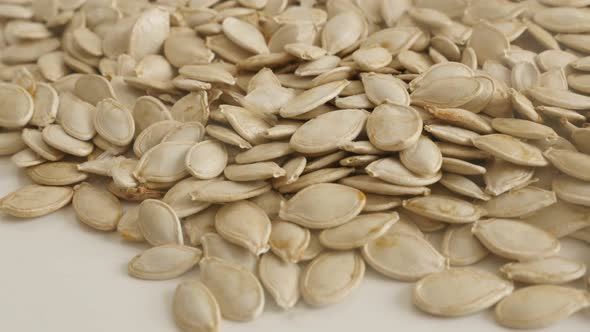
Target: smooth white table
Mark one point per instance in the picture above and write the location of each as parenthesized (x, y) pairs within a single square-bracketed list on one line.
[(59, 275)]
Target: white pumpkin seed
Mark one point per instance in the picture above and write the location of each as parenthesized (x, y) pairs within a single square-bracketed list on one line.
[(331, 277), (326, 132), (245, 224), (515, 240), (206, 160), (237, 290), (56, 137), (128, 226), (372, 185), (164, 262), (164, 162), (199, 224), (288, 240), (445, 208), (358, 232), (571, 163), (518, 203), (459, 292), (552, 270), (195, 307), (178, 197), (229, 191), (34, 200), (510, 149), (540, 306), (280, 279), (339, 204), (461, 247), (59, 173), (96, 207), (158, 223), (393, 171), (403, 256), (394, 127)]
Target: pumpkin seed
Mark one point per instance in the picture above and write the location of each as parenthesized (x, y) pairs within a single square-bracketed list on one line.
[(403, 256), (199, 224), (96, 207), (158, 223), (59, 173), (195, 307), (459, 291), (461, 247), (393, 171), (164, 262), (238, 292), (312, 98), (331, 276), (552, 270), (560, 219), (34, 200), (518, 203), (280, 279), (540, 306), (569, 162), (253, 234), (302, 210), (206, 160), (388, 119), (372, 185), (515, 240), (445, 208), (288, 241), (128, 225), (229, 191), (358, 232), (510, 149), (463, 186), (56, 137), (164, 162), (423, 158), (178, 197)]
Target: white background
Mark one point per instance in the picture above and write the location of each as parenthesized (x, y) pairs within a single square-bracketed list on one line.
[(58, 275)]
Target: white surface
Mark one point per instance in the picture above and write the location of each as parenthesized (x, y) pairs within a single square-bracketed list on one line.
[(59, 275)]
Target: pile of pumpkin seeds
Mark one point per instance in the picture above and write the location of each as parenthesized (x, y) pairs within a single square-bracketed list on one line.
[(282, 145)]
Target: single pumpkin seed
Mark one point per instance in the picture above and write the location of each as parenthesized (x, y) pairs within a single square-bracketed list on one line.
[(34, 200), (96, 207), (164, 262)]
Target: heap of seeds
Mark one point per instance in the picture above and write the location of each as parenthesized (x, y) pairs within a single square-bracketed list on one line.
[(283, 145)]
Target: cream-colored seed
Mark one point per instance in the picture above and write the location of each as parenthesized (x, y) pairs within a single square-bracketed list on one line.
[(282, 136)]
